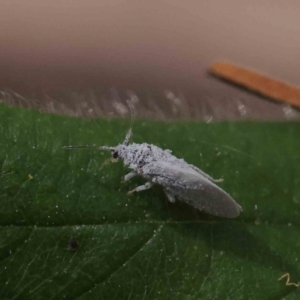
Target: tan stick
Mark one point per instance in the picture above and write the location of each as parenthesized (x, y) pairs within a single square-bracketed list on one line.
[(272, 88)]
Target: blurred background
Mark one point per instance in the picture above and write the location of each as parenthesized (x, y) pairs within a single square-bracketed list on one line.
[(85, 58)]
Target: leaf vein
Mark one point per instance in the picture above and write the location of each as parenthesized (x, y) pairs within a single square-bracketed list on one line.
[(152, 237)]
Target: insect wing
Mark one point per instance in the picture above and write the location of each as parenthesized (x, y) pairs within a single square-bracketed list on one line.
[(193, 188), (211, 199)]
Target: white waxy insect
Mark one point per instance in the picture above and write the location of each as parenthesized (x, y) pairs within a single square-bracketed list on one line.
[(178, 178)]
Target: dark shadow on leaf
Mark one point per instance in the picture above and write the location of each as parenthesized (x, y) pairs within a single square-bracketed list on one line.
[(225, 235)]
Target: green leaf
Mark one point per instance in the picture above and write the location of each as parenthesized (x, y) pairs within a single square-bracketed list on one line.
[(69, 231)]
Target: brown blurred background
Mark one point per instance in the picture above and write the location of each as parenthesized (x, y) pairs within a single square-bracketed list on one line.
[(86, 58)]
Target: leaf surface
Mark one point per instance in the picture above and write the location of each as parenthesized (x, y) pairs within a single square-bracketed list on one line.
[(69, 231)]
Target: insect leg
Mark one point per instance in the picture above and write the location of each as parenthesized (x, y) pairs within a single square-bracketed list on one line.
[(140, 188), (129, 176), (170, 196), (206, 175)]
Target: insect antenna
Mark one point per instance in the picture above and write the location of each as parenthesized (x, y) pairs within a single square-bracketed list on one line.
[(129, 132), (90, 147), (127, 137), (80, 147), (106, 148)]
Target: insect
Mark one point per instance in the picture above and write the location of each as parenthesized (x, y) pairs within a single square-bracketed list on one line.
[(179, 179)]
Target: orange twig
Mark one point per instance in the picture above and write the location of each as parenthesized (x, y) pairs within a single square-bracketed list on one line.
[(255, 81)]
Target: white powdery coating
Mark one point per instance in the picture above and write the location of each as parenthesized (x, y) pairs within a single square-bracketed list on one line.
[(178, 178)]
